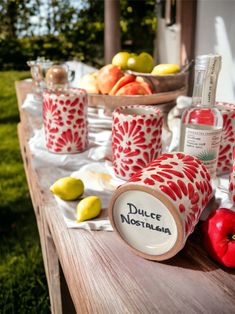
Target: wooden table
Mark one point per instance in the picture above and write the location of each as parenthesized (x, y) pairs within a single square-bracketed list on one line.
[(101, 273)]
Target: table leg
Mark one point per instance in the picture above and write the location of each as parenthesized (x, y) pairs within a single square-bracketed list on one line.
[(52, 268), (50, 258)]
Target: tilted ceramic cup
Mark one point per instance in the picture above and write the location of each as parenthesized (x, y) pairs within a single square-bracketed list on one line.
[(158, 208), (65, 120), (136, 138), (227, 143)]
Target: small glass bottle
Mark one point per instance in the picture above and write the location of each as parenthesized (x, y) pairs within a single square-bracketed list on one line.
[(202, 123)]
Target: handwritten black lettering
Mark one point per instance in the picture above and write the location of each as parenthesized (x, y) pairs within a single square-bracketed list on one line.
[(127, 219), (133, 210)]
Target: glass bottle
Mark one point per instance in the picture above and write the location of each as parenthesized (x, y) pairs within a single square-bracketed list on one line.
[(202, 123)]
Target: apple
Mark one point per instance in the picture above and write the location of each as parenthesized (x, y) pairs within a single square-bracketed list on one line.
[(122, 82), (89, 83), (107, 77), (141, 63), (120, 59), (134, 88), (134, 64), (147, 60)]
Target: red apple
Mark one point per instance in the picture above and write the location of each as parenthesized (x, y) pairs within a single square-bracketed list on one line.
[(133, 88), (122, 82), (107, 77)]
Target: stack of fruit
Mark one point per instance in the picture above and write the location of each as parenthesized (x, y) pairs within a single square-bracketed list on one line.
[(111, 80), (121, 77), (143, 63)]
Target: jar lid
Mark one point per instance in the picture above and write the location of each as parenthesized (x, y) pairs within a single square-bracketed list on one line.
[(57, 75)]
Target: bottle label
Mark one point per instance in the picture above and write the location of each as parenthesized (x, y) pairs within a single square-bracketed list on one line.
[(209, 85), (203, 144)]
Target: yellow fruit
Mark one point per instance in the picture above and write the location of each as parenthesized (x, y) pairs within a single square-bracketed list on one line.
[(120, 59), (164, 69), (68, 188), (88, 208)]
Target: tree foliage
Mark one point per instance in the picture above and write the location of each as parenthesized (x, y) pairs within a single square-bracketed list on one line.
[(138, 25), (65, 30)]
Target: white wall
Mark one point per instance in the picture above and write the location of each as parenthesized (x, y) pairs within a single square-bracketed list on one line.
[(215, 33), (168, 45)]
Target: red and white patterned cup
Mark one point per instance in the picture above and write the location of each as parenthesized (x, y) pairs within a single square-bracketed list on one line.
[(136, 138), (227, 144), (232, 180), (158, 208), (65, 120)]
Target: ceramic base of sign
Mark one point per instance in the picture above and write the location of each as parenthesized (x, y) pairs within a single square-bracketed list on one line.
[(147, 222)]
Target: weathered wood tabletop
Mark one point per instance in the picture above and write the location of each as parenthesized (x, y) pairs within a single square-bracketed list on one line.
[(102, 274)]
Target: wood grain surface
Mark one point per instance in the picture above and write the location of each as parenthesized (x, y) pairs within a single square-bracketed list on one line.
[(103, 275)]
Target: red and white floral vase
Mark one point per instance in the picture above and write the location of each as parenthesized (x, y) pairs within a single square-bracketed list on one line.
[(227, 144), (158, 208), (136, 138), (65, 120), (232, 181)]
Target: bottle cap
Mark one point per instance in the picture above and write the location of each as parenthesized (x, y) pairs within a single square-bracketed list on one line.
[(203, 62)]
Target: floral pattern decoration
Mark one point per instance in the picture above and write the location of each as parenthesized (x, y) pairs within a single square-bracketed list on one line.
[(65, 121), (184, 180), (227, 139), (136, 140)]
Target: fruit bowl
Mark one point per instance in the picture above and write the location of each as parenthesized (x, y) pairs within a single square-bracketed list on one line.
[(111, 102), (165, 83)]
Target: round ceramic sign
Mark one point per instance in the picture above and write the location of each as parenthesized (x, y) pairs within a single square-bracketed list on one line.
[(156, 210), (144, 222)]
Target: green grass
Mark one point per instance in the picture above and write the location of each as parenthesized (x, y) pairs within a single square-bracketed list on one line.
[(23, 287)]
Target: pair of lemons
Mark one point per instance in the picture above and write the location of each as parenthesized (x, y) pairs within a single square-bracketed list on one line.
[(70, 189)]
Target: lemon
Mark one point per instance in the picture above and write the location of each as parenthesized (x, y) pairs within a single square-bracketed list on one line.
[(68, 188), (88, 208), (120, 59), (164, 69)]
